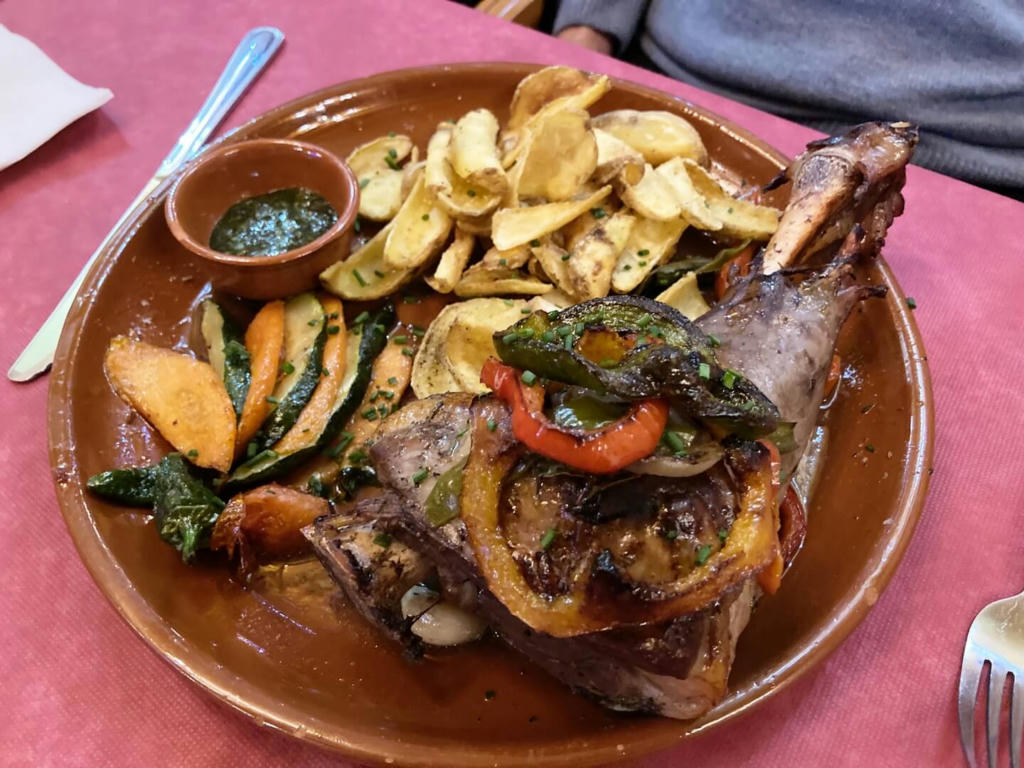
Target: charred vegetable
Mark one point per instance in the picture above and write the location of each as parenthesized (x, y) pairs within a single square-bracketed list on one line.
[(133, 485), (225, 349), (184, 508), (635, 348)]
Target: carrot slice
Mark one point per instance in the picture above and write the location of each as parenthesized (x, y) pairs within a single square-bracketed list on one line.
[(183, 398), (318, 410), (264, 338)]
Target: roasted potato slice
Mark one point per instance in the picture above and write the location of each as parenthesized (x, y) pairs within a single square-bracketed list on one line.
[(695, 208), (515, 226), (592, 262), (555, 263), (453, 261), (183, 398), (462, 200), (650, 244), (430, 372), (685, 295), (560, 154), (514, 258), (364, 275), (376, 166), (543, 93), (613, 154), (648, 193), (474, 151), (418, 231), (587, 222), (470, 341), (741, 219), (481, 280), (657, 135)]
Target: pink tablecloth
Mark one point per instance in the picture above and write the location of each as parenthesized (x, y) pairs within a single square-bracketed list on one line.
[(82, 690)]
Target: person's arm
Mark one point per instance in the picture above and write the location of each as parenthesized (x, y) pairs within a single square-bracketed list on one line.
[(601, 25)]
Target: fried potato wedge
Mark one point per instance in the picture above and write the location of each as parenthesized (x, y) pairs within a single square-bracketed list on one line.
[(555, 263), (514, 258), (481, 280), (470, 341), (650, 244), (480, 227), (657, 135), (544, 93), (613, 154), (560, 154), (548, 302), (685, 295), (474, 151), (695, 208), (592, 262), (430, 372), (183, 398), (452, 263), (648, 193), (587, 222), (462, 200), (418, 231), (375, 165), (364, 275), (741, 219), (515, 226)]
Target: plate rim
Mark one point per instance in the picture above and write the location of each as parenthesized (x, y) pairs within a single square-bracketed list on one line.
[(366, 746)]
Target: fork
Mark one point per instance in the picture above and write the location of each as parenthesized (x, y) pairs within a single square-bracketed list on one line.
[(995, 639)]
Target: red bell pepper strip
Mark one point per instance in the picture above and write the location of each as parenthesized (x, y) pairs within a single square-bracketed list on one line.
[(598, 451)]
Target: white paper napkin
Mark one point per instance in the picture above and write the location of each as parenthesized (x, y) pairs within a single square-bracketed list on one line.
[(37, 98)]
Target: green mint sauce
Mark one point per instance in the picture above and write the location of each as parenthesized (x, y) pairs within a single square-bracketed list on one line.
[(269, 224)]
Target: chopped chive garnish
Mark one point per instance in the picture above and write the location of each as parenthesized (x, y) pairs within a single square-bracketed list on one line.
[(598, 213), (357, 225), (491, 425), (408, 352), (626, 267), (419, 476), (565, 256), (608, 363), (525, 333), (509, 302), (387, 394), (471, 192), (508, 338), (578, 328), (867, 407), (378, 273), (251, 449), (362, 317), (730, 377), (534, 243), (359, 278), (357, 456), (333, 329), (425, 217), (502, 262), (675, 442), (911, 302), (272, 400), (393, 381), (525, 311), (553, 314), (391, 163), (672, 535), (548, 538), (417, 331), (563, 330), (642, 252), (644, 321), (547, 336), (642, 263), (363, 183), (401, 339), (703, 554), (529, 377), (392, 153), (392, 134), (193, 454), (382, 540), (713, 340), (869, 448), (723, 535), (489, 695), (567, 342), (703, 370), (370, 414), (287, 368), (411, 299)]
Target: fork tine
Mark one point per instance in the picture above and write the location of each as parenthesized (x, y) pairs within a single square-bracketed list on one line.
[(996, 683), (1016, 719), (970, 677)]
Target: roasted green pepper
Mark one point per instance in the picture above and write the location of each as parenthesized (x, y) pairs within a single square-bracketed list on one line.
[(635, 348)]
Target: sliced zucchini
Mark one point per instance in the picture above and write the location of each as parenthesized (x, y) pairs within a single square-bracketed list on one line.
[(365, 342), (225, 349), (305, 331)]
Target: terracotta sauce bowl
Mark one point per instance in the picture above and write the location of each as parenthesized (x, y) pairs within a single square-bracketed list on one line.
[(221, 177)]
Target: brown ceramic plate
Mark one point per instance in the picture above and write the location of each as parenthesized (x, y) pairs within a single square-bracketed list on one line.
[(286, 652)]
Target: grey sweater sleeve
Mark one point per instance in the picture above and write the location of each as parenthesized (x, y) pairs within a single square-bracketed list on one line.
[(616, 18)]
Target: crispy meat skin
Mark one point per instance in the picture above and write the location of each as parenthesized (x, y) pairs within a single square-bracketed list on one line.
[(778, 329)]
